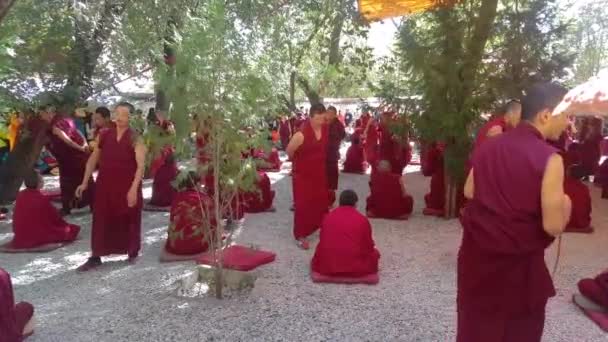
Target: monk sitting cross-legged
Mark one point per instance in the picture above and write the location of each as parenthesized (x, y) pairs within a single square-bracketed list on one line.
[(261, 199), (162, 189), (388, 198), (191, 221), (580, 219), (346, 247), (355, 158), (35, 221)]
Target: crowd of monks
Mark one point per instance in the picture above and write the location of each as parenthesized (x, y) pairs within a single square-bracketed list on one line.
[(523, 189)]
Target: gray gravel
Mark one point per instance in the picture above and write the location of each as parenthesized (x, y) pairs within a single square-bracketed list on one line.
[(415, 300)]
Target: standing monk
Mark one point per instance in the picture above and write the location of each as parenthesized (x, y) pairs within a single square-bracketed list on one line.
[(70, 149), (509, 118), (590, 148), (308, 150), (121, 156), (516, 207), (336, 135), (284, 131)]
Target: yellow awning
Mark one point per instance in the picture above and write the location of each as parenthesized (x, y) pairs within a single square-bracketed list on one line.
[(374, 10)]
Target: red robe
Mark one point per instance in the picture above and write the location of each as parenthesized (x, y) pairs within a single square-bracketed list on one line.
[(116, 227), (602, 176), (346, 247), (186, 235), (355, 160), (503, 281), (272, 159), (309, 182), (285, 133), (36, 222), (260, 200), (482, 134), (591, 153), (581, 204), (371, 145), (72, 163), (386, 199), (336, 135), (432, 166), (163, 191), (159, 161), (13, 318)]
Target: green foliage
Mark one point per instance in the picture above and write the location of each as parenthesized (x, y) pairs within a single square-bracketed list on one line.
[(590, 40)]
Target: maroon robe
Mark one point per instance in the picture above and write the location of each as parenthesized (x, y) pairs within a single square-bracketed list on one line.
[(116, 227), (602, 175), (272, 160), (482, 133), (355, 159), (284, 133), (386, 199), (13, 318), (371, 145), (186, 235), (336, 135), (309, 182), (163, 191), (596, 289), (580, 218), (36, 222), (503, 282), (346, 247), (591, 153), (260, 200), (72, 163), (432, 166)]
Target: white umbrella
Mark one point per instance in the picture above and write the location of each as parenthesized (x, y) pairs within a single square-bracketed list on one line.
[(589, 98)]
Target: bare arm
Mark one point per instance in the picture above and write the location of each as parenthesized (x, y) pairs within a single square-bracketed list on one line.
[(555, 204), (494, 131), (91, 163), (140, 158), (64, 137), (469, 186), (296, 141)]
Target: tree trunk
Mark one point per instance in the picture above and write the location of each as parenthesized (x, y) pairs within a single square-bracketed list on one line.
[(451, 197), (311, 94), (21, 160), (292, 90), (5, 6)]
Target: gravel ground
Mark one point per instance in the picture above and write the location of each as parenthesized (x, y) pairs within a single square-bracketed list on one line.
[(415, 300)]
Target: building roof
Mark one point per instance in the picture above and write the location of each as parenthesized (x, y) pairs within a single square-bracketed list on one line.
[(374, 10)]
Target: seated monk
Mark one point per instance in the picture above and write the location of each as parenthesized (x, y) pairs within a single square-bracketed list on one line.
[(346, 247), (580, 218), (162, 189), (189, 228), (259, 200), (595, 290), (16, 321), (388, 198), (271, 162), (355, 159), (432, 166), (35, 221)]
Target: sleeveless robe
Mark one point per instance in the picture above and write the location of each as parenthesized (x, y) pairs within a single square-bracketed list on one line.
[(36, 222), (581, 204), (346, 247), (116, 227), (336, 135), (432, 166), (503, 282), (260, 200), (386, 199), (309, 182), (185, 235), (163, 191), (13, 318), (72, 163)]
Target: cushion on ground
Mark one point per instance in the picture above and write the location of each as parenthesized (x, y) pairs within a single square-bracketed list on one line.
[(370, 279), (52, 194), (240, 258), (7, 248), (150, 207), (587, 230), (592, 311)]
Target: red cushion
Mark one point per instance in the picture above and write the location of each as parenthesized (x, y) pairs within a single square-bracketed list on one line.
[(240, 258), (370, 279), (600, 318)]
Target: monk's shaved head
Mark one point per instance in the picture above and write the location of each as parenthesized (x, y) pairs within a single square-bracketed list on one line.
[(348, 198), (317, 108), (384, 165), (541, 97)]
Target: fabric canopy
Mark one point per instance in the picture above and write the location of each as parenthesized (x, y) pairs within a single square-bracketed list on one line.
[(374, 10)]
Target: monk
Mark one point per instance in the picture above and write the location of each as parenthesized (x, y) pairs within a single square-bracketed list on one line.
[(284, 131), (308, 150), (590, 148), (388, 198), (71, 150), (163, 191), (508, 118), (259, 200), (517, 206), (166, 130), (271, 161), (580, 220), (602, 175), (35, 221), (432, 166), (370, 144), (336, 135), (355, 158), (189, 230), (595, 290), (102, 118), (16, 321), (121, 156), (346, 247)]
